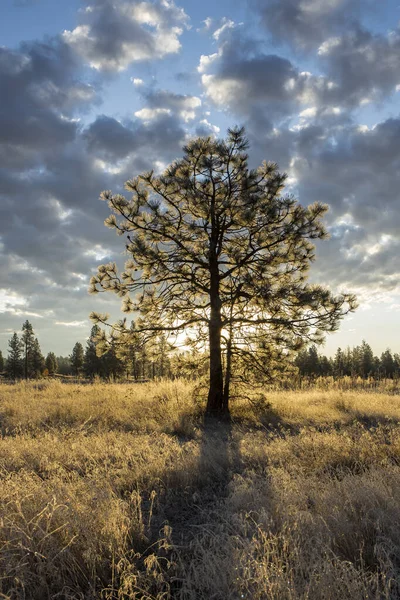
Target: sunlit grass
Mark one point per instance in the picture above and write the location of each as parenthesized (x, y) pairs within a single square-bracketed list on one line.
[(121, 491)]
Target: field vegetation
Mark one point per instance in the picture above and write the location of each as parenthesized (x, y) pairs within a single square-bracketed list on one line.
[(124, 491)]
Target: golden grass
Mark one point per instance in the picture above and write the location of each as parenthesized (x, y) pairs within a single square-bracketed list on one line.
[(121, 491)]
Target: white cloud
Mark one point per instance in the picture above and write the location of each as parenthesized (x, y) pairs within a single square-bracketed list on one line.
[(213, 128), (327, 46), (120, 33), (226, 24), (10, 300), (206, 61), (72, 323), (166, 103), (148, 114)]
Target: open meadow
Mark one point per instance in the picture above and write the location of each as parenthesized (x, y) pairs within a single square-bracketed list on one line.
[(123, 491)]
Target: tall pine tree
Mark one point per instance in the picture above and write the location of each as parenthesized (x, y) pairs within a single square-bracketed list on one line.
[(14, 367), (28, 340), (218, 249), (77, 358)]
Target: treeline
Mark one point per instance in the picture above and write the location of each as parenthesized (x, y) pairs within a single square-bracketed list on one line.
[(144, 358), (358, 361), (153, 357)]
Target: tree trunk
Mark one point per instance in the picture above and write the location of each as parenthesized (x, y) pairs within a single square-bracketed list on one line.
[(215, 402), (227, 375)]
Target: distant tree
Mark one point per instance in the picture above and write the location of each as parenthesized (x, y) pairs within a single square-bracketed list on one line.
[(367, 360), (325, 366), (113, 365), (77, 358), (14, 367), (216, 248), (188, 364), (51, 363), (377, 367), (131, 351), (308, 362), (92, 364), (64, 365), (396, 358), (339, 363), (28, 340), (37, 360), (1, 362), (162, 353), (388, 365)]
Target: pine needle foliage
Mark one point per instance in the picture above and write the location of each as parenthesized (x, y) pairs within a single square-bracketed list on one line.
[(217, 248)]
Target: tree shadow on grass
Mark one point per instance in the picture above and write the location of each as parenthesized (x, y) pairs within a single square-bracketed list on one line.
[(196, 514)]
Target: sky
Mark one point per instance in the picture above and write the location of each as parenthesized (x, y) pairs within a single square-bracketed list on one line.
[(94, 93)]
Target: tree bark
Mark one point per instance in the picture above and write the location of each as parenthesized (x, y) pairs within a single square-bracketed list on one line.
[(227, 375), (215, 402)]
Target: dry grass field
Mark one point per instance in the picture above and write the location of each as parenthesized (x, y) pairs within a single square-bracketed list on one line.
[(122, 491)]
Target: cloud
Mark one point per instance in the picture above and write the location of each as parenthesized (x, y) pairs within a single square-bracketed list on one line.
[(306, 24), (41, 90), (163, 102), (364, 67), (114, 34), (240, 77), (53, 167)]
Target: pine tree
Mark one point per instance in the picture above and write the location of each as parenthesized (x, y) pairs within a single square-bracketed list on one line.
[(51, 363), (1, 362), (113, 365), (28, 343), (37, 359), (325, 366), (388, 365), (92, 364), (64, 365), (367, 360), (77, 358), (338, 363), (14, 367), (218, 249)]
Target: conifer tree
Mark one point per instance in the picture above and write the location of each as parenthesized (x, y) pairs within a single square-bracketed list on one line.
[(1, 362), (388, 365), (92, 364), (338, 363), (77, 358), (51, 363), (14, 367), (367, 360), (37, 359), (217, 248), (64, 365), (113, 365), (28, 343)]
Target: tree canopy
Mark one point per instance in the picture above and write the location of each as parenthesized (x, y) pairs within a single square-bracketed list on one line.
[(218, 249)]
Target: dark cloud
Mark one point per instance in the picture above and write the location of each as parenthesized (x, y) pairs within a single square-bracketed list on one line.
[(52, 171), (40, 91), (107, 136), (112, 34), (362, 66), (307, 23), (241, 78)]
